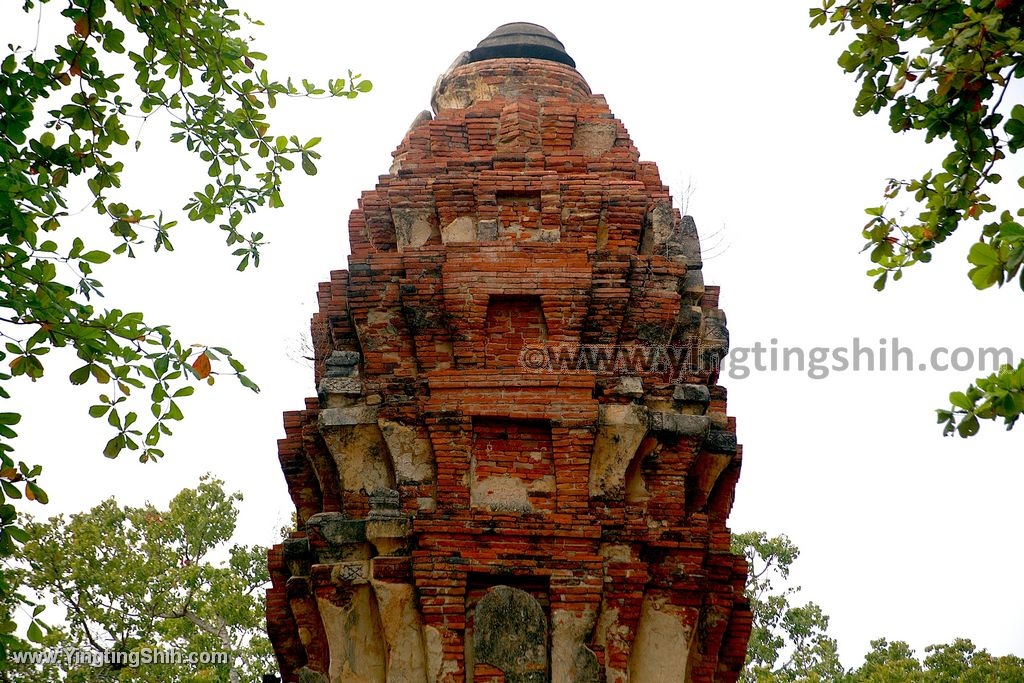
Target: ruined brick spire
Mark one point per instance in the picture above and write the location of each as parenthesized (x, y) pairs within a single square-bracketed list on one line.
[(501, 479)]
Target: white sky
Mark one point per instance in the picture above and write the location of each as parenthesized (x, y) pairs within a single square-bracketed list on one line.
[(903, 534)]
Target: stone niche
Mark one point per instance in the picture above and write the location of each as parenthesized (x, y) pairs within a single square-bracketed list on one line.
[(507, 638), (512, 467), (519, 215), (513, 323)]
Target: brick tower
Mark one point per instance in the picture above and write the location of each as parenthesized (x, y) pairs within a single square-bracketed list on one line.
[(519, 466)]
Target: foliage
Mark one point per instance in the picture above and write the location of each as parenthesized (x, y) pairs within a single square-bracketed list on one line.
[(958, 661), (65, 111), (962, 661), (944, 67), (787, 643), (800, 635), (889, 663), (133, 578)]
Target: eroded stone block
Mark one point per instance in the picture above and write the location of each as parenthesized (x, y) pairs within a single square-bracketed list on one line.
[(692, 393), (510, 633), (487, 230), (594, 139), (414, 227), (621, 428), (462, 229), (678, 424)]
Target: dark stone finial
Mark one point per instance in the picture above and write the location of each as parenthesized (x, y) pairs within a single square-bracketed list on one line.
[(521, 39)]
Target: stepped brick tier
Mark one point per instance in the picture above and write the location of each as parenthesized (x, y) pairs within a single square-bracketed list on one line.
[(468, 509)]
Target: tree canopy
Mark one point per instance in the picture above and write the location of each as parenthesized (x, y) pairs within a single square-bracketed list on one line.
[(960, 660), (71, 113), (137, 579), (945, 68), (791, 643), (787, 643)]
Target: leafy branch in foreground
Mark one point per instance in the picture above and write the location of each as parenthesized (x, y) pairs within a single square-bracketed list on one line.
[(944, 67), (998, 396), (63, 116)]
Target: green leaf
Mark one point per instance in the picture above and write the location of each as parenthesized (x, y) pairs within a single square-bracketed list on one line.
[(114, 447), (307, 165), (37, 493), (984, 277), (174, 412), (96, 257), (960, 400), (248, 383), (1011, 231), (10, 490), (968, 426), (983, 254), (101, 375), (81, 375), (22, 536)]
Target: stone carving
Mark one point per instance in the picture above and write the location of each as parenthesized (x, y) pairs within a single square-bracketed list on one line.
[(470, 505), (510, 632)]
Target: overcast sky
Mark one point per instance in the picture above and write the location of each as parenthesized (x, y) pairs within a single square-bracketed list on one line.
[(903, 533)]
